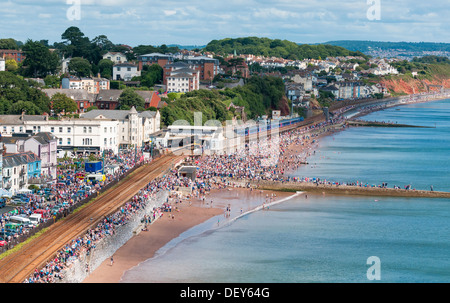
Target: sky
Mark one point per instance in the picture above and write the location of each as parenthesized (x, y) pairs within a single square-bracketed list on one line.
[(197, 22)]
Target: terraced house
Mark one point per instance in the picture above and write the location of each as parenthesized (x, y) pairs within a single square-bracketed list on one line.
[(18, 169)]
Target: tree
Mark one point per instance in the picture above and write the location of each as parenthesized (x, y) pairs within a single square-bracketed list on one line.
[(151, 75), (52, 81), (130, 98), (14, 89), (80, 66), (24, 106), (76, 44), (8, 44), (63, 104), (40, 61), (11, 65), (105, 68), (103, 43)]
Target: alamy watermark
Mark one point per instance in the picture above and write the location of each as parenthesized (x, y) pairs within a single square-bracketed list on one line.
[(259, 139), (374, 271), (74, 11), (374, 10)]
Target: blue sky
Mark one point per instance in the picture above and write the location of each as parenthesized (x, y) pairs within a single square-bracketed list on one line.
[(197, 22)]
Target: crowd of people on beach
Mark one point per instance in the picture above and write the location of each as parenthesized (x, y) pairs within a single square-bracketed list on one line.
[(53, 270), (256, 161)]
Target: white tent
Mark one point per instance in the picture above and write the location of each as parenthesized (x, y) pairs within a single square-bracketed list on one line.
[(25, 191), (5, 193)]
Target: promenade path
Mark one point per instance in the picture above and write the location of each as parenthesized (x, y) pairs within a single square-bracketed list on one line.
[(17, 266)]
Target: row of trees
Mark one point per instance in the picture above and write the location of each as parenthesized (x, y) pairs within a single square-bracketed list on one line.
[(277, 48), (18, 95)]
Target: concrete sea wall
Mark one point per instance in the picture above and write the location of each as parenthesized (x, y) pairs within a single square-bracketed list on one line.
[(106, 247)]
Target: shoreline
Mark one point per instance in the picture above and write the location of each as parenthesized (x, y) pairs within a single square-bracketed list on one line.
[(146, 244)]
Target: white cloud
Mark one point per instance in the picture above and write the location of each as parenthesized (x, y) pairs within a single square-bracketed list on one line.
[(169, 12)]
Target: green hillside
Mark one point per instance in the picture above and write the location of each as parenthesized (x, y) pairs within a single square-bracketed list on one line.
[(276, 48)]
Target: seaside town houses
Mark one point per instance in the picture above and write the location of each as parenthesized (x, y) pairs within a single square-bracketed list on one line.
[(181, 77), (43, 145), (98, 131), (115, 57), (20, 170), (125, 71)]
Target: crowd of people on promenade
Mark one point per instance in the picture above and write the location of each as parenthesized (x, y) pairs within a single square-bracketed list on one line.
[(67, 191), (53, 270)]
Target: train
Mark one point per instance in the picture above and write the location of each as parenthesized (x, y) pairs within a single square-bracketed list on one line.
[(266, 125)]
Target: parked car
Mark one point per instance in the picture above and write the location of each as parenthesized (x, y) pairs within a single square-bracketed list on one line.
[(3, 242)]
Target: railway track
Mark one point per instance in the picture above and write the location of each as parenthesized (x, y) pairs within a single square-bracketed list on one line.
[(18, 266)]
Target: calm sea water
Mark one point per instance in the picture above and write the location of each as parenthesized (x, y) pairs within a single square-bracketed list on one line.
[(330, 238)]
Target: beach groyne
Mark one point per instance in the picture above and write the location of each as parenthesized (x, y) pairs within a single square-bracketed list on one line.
[(85, 263), (316, 188)]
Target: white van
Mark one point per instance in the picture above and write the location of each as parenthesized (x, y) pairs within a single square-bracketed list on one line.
[(35, 218), (20, 220), (97, 177)]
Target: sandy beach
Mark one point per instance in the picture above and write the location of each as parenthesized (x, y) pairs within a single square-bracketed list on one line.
[(144, 245)]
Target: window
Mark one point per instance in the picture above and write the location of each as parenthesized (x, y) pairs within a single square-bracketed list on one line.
[(90, 129), (12, 129), (105, 141), (39, 129), (60, 141), (84, 129), (69, 130), (4, 129), (106, 129), (68, 141), (60, 129), (129, 69), (52, 129), (21, 129)]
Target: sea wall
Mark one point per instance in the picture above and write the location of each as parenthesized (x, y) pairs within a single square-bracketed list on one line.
[(105, 248), (346, 190)]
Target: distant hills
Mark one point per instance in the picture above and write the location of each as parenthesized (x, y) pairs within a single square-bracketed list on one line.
[(367, 46), (187, 47)]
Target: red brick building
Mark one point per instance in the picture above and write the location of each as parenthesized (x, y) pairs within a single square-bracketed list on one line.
[(154, 58), (208, 67), (14, 54)]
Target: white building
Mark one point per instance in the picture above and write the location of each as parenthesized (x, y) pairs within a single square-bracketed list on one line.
[(2, 65), (181, 77), (134, 128), (115, 57), (81, 135), (125, 71)]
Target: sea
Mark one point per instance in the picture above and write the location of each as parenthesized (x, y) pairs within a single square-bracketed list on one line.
[(335, 239)]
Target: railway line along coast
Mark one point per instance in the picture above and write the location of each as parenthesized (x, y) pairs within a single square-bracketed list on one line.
[(18, 265)]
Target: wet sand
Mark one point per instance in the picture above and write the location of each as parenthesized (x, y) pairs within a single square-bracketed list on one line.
[(144, 245)]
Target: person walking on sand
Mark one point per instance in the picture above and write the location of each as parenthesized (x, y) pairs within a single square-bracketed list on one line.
[(112, 260)]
